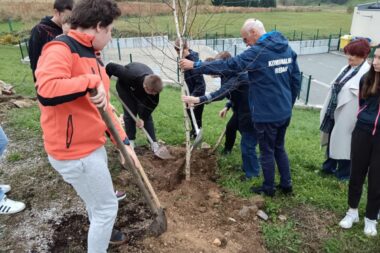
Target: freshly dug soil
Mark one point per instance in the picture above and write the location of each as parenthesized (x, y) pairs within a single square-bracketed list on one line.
[(201, 216)]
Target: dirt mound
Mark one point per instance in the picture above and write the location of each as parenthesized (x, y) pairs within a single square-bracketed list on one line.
[(201, 216)]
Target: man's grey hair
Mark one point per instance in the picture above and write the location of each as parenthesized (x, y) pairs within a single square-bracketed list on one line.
[(253, 23)]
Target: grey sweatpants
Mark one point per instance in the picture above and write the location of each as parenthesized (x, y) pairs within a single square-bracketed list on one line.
[(91, 180)]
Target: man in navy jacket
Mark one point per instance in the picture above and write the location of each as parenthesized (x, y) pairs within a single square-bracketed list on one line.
[(274, 83), (195, 82)]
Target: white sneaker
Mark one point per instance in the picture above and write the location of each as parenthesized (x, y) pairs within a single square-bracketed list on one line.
[(5, 188), (352, 216), (155, 146), (370, 227), (8, 206)]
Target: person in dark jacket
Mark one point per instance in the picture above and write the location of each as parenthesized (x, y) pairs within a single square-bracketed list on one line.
[(234, 86), (139, 89), (48, 28), (365, 150), (231, 129), (195, 82), (274, 83)]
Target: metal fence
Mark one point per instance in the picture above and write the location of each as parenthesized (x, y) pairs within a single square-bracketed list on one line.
[(305, 88)]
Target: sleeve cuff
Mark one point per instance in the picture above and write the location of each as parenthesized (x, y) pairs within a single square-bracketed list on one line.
[(197, 64)]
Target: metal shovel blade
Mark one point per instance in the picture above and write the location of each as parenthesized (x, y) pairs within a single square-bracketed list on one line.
[(198, 139), (163, 153), (159, 224)]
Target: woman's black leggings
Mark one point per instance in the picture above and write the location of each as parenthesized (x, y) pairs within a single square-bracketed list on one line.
[(365, 159)]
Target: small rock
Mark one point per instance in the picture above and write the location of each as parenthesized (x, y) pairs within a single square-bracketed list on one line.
[(247, 210), (231, 219), (258, 201), (165, 244), (217, 242), (262, 215), (205, 145), (214, 196), (202, 209), (244, 212), (282, 217)]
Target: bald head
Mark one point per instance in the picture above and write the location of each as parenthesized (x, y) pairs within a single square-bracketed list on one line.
[(251, 31)]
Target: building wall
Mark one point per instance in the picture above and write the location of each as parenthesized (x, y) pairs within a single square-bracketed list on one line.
[(366, 23)]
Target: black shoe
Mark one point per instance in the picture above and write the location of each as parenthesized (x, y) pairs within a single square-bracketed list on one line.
[(285, 190), (261, 190), (328, 171), (117, 237)]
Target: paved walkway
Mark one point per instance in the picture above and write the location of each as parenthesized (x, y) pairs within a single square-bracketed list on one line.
[(323, 68)]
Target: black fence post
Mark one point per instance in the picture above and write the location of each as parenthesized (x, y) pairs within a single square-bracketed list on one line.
[(308, 91), (118, 47), (329, 44), (340, 35), (235, 50), (130, 57), (22, 53), (177, 69), (10, 25)]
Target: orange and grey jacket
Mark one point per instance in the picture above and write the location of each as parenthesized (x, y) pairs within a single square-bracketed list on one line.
[(67, 69)]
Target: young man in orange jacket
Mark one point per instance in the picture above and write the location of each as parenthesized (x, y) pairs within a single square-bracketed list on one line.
[(73, 130)]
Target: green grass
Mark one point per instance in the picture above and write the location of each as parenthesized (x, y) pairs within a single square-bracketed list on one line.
[(229, 24), (321, 194), (14, 72)]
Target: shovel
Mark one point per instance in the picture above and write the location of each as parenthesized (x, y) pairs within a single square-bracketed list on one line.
[(198, 131), (162, 152), (159, 224)]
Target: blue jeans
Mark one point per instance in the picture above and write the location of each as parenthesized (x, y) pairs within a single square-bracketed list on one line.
[(271, 139), (248, 144), (3, 141)]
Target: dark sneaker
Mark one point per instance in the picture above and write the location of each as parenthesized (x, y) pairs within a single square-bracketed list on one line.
[(117, 237), (261, 190), (285, 190), (120, 195)]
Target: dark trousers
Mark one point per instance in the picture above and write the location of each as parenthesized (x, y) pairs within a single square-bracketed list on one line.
[(231, 129), (341, 168), (365, 159), (139, 109), (248, 144), (198, 111), (271, 139)]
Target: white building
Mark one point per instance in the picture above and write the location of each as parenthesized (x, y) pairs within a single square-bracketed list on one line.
[(366, 21)]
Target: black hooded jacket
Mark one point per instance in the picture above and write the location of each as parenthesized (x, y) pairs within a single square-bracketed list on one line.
[(41, 34)]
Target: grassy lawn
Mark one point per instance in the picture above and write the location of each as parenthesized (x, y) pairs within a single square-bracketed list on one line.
[(311, 214), (229, 24)]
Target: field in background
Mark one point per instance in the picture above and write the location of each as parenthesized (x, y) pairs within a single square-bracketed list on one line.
[(225, 25)]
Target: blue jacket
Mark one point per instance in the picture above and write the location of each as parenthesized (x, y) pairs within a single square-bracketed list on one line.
[(369, 111), (235, 88), (195, 82), (274, 76)]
